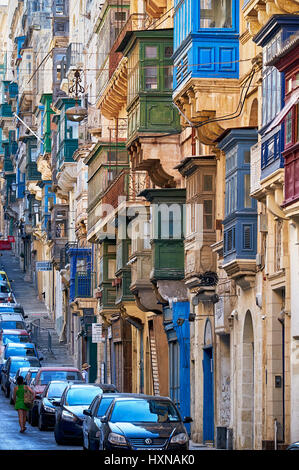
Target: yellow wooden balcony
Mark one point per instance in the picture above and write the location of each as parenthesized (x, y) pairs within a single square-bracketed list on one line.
[(257, 12)]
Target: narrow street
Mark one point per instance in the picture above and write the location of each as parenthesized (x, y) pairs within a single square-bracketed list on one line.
[(32, 439)]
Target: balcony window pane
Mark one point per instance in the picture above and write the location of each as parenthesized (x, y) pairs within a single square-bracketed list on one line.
[(72, 130), (289, 127), (168, 51), (215, 13), (151, 52), (208, 214), (151, 78), (168, 78), (247, 198)]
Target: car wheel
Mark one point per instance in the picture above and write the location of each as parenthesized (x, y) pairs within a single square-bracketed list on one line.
[(41, 425), (58, 436)]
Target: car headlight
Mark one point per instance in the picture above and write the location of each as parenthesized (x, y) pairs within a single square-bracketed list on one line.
[(181, 438), (49, 409), (117, 439), (69, 416)]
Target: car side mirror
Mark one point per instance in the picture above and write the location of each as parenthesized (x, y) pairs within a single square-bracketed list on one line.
[(25, 316), (188, 419), (41, 358), (56, 403), (104, 419), (87, 412)]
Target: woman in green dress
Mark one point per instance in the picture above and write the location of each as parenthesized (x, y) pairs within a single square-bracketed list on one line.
[(20, 406)]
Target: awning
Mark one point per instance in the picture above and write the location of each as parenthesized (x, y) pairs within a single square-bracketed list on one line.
[(282, 114)]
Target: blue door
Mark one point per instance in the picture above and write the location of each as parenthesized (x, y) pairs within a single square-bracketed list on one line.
[(208, 395)]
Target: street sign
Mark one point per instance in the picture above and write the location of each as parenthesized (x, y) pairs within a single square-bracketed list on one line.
[(43, 266), (97, 333)]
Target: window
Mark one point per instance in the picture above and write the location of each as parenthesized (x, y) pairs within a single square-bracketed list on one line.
[(120, 16), (72, 130), (247, 198), (168, 51), (247, 237), (207, 183), (151, 52), (208, 214), (288, 127), (215, 13), (271, 82), (168, 77), (151, 78)]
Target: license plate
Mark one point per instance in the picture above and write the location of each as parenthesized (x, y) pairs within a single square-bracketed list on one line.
[(147, 448)]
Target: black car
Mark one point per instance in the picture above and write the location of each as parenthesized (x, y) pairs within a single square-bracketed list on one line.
[(10, 368), (142, 422), (69, 411), (93, 415), (46, 408)]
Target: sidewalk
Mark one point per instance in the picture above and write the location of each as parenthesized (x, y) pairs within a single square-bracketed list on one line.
[(197, 446), (26, 295)]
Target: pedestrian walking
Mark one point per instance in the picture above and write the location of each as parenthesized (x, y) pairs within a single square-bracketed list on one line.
[(20, 405), (84, 371)]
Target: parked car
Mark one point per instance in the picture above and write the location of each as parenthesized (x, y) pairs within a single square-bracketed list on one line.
[(46, 407), (293, 446), (31, 374), (12, 308), (142, 422), (43, 377), (69, 411), (12, 321), (4, 277), (20, 372), (92, 421), (14, 336), (6, 295), (21, 349), (10, 368)]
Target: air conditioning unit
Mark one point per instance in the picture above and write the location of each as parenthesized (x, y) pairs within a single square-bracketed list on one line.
[(258, 259), (258, 300), (262, 223)]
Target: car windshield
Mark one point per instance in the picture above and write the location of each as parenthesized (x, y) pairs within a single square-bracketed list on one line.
[(15, 365), (15, 339), (49, 375), (3, 277), (81, 396), (23, 373), (145, 411), (12, 325), (56, 390), (104, 405), (10, 351)]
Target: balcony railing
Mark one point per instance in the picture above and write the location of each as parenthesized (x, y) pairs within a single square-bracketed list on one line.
[(85, 283)]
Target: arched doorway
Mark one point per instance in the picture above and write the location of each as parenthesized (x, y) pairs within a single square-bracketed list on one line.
[(208, 385), (247, 412)]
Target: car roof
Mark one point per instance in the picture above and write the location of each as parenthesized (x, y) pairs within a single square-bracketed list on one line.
[(11, 316), (59, 368), (14, 332), (33, 369), (22, 358), (20, 345), (82, 384), (114, 395), (140, 396), (11, 304)]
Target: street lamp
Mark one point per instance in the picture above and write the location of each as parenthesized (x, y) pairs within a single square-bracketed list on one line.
[(76, 113)]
